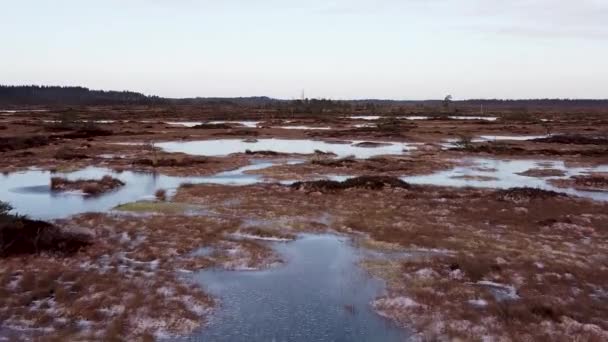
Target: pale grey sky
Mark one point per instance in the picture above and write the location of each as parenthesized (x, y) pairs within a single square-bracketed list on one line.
[(408, 49)]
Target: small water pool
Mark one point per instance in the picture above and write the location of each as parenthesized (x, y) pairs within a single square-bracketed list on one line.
[(319, 294), (305, 127), (224, 147), (30, 194), (364, 117), (485, 118), (248, 124), (503, 174)]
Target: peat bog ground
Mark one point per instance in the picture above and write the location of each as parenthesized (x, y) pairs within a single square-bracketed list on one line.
[(193, 223)]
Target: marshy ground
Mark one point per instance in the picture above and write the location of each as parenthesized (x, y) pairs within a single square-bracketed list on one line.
[(491, 228)]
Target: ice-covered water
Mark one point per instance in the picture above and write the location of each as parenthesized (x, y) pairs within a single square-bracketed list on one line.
[(224, 147), (29, 191), (365, 117), (16, 111), (505, 174), (249, 124), (305, 127), (485, 118), (414, 117), (509, 137)]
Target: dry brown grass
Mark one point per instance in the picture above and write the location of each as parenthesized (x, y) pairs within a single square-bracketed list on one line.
[(550, 248), (87, 186)]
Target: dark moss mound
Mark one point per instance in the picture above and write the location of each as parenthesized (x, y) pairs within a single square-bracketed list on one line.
[(239, 133), (263, 153), (526, 194), (59, 127), (212, 126), (363, 182), (21, 143), (342, 162), (19, 236), (574, 139), (323, 153), (87, 132), (491, 148), (170, 162), (371, 144), (593, 181), (69, 154), (88, 186)]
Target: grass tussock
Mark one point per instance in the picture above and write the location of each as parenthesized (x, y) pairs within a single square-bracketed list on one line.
[(88, 186), (154, 207), (362, 182), (521, 195), (177, 161), (67, 153)]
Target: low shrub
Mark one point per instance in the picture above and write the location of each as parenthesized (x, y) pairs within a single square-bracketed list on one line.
[(161, 194), (518, 195), (20, 235)]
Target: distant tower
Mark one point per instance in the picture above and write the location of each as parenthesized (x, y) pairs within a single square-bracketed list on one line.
[(303, 95)]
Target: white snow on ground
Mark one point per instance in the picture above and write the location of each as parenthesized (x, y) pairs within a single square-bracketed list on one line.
[(426, 273), (257, 237), (478, 302), (456, 274), (114, 310), (507, 291), (394, 303)]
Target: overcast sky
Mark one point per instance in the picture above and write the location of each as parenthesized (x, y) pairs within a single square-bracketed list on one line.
[(406, 49)]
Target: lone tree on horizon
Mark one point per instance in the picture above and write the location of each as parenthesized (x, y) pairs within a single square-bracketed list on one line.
[(447, 101)]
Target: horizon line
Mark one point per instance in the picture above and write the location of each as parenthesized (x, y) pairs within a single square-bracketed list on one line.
[(307, 98)]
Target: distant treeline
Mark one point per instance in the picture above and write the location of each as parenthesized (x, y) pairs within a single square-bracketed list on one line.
[(491, 102), (43, 95), (54, 95)]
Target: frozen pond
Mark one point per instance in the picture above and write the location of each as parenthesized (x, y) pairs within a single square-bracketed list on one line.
[(414, 117), (93, 121), (485, 118), (319, 294), (248, 124), (305, 127), (510, 137), (15, 111), (364, 117), (30, 194), (224, 147), (503, 174), (487, 138)]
